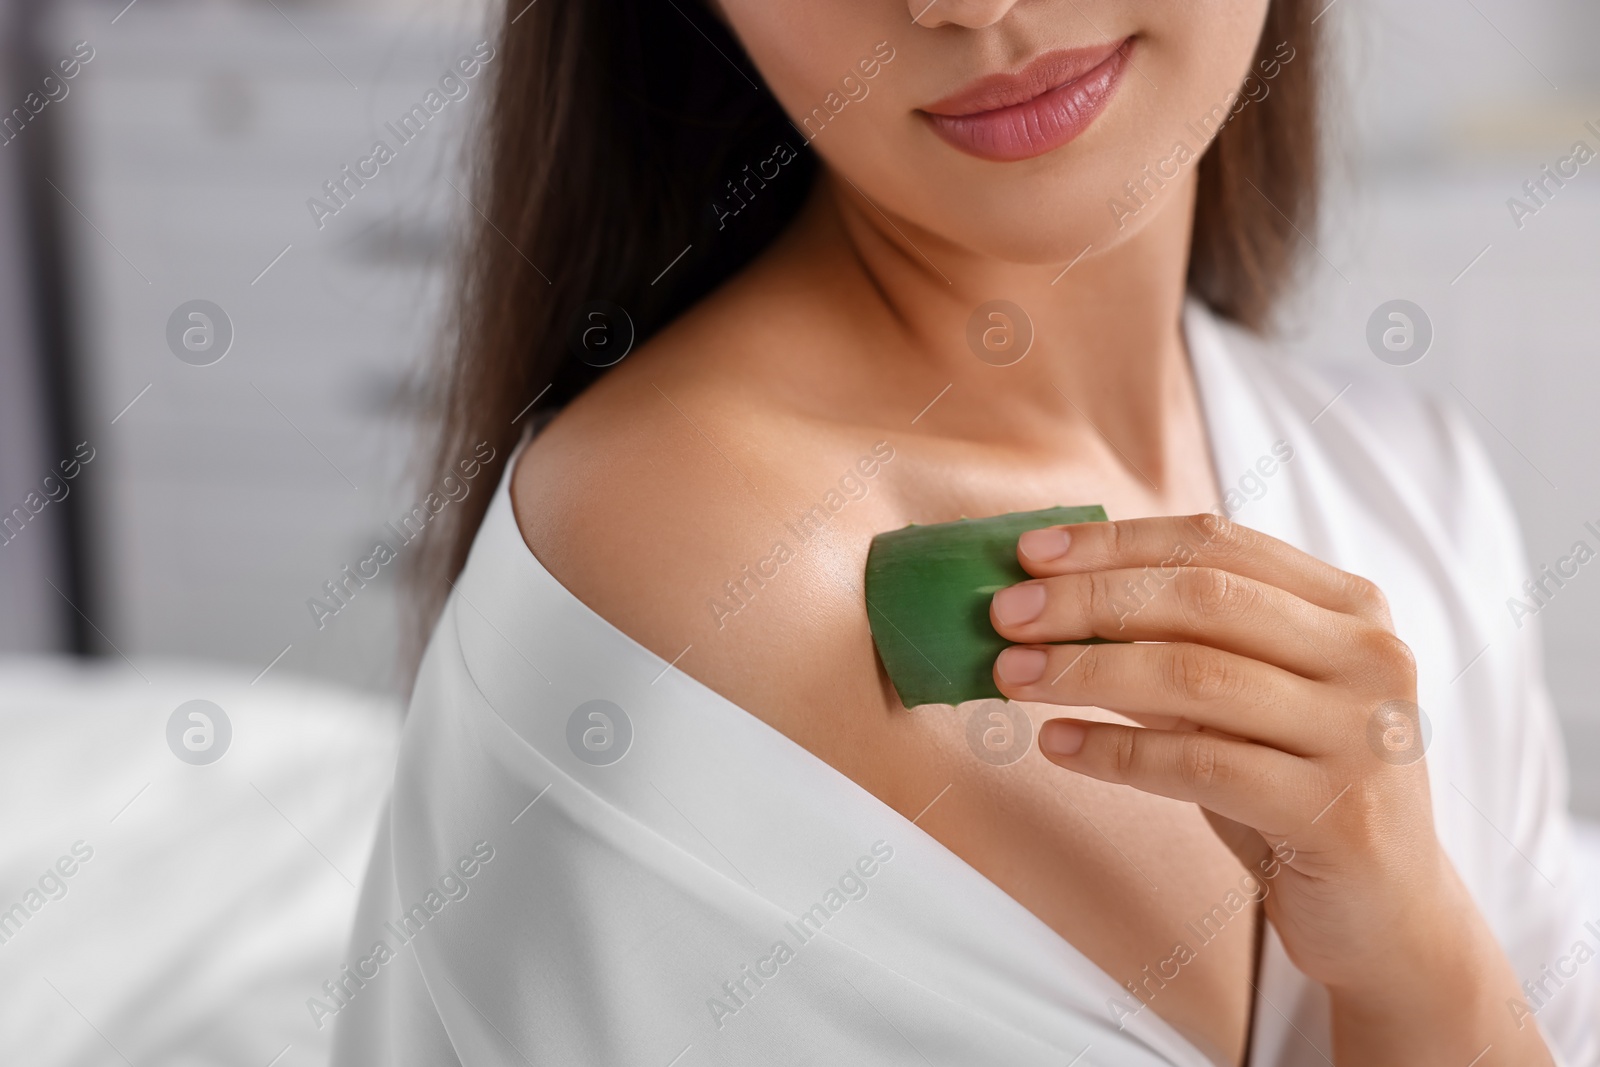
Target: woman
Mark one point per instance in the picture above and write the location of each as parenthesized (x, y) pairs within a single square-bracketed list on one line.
[(872, 264)]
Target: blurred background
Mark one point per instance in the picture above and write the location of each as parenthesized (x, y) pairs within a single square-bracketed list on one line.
[(177, 168), (224, 467)]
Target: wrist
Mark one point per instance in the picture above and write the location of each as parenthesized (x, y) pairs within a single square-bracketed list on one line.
[(1434, 947), (1450, 989), (1443, 995)]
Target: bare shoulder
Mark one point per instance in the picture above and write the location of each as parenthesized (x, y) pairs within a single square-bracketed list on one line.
[(692, 503)]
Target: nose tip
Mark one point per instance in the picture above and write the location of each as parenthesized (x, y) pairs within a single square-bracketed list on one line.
[(972, 14)]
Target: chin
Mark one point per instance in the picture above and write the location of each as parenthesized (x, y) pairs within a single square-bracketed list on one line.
[(1047, 220), (1054, 234)]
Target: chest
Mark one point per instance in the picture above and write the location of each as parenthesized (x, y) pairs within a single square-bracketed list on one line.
[(1139, 884)]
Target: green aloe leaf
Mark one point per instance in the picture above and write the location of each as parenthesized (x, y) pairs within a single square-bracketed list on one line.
[(928, 590)]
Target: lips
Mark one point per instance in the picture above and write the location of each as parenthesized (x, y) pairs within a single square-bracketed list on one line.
[(1009, 117)]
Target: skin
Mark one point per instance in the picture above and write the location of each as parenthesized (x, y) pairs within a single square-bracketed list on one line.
[(1225, 736)]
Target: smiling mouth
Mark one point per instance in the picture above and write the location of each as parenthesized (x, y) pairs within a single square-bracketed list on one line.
[(1010, 117)]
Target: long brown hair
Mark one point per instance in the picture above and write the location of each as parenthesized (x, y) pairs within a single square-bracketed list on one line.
[(615, 126)]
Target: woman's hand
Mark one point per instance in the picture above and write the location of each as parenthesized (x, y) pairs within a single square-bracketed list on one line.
[(1273, 693)]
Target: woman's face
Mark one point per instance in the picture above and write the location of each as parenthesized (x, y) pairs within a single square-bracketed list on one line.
[(1020, 129)]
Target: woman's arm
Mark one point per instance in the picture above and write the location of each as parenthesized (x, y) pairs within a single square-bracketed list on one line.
[(1277, 697)]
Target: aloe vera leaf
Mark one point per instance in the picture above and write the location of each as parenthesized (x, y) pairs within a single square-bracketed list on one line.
[(928, 590)]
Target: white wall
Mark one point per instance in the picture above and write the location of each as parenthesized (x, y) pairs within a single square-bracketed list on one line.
[(199, 133), (1442, 120)]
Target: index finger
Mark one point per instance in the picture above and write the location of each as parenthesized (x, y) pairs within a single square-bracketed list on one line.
[(1203, 540)]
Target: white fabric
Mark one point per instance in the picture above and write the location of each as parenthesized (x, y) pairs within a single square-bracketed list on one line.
[(616, 907), (215, 898)]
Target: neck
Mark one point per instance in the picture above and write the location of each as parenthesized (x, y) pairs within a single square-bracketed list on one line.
[(1107, 355)]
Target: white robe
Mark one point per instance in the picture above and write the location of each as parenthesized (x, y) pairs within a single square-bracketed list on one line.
[(624, 902)]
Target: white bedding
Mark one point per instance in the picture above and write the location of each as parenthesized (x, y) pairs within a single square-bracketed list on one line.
[(215, 899)]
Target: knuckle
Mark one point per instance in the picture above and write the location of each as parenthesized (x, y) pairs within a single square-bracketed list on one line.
[(1224, 538), (1199, 675), (1088, 667), (1388, 655), (1124, 753), (1365, 594), (1117, 540), (1201, 762), (1098, 598), (1206, 592)]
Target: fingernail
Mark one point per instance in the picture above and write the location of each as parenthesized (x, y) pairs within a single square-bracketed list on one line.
[(1019, 603), (1019, 666), (1061, 737), (1046, 544)]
